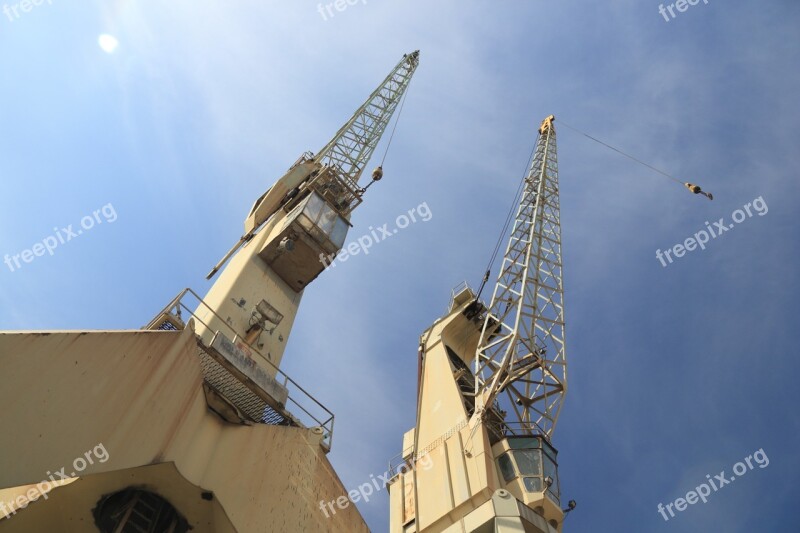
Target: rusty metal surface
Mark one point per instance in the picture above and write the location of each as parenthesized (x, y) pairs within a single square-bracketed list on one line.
[(140, 394)]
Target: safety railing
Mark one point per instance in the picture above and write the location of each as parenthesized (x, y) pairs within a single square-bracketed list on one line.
[(301, 408), (462, 290)]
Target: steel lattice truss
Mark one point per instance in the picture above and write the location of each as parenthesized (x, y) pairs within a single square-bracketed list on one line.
[(352, 146), (521, 364)]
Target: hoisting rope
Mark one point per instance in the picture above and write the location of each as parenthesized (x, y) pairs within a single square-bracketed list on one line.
[(692, 187), (399, 112), (377, 174), (509, 217)]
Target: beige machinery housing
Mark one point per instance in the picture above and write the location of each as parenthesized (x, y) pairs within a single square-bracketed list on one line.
[(172, 461), (478, 479)]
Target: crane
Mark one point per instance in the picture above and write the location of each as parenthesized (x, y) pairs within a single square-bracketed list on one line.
[(338, 165), (492, 380), (491, 384), (204, 430), (302, 218)]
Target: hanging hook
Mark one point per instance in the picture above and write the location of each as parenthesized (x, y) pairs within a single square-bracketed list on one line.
[(697, 190)]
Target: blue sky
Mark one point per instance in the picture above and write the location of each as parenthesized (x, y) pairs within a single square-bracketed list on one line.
[(675, 372)]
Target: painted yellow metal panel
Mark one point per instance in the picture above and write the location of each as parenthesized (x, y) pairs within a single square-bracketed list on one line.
[(458, 470), (139, 393)]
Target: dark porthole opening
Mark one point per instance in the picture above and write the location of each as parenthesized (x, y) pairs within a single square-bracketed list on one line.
[(136, 511)]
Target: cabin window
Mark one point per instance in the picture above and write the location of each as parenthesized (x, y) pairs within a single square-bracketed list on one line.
[(506, 467)]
